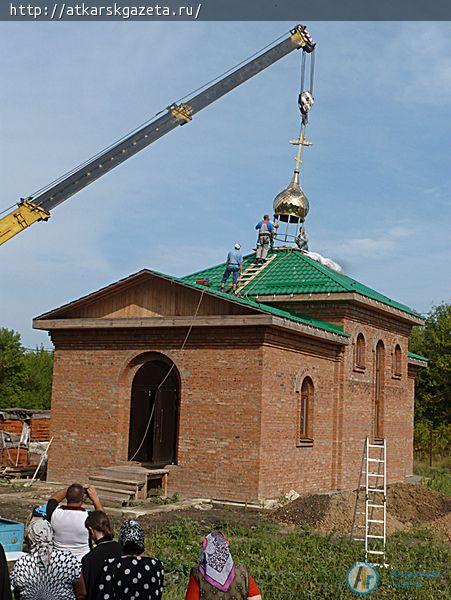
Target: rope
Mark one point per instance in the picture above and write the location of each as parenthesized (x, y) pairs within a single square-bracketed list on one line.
[(312, 70), (302, 71), (7, 209), (167, 375)]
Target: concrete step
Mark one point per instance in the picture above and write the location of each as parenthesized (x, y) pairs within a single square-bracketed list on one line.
[(120, 483), (112, 500), (136, 478), (132, 478), (113, 497), (113, 491), (131, 469), (116, 482)]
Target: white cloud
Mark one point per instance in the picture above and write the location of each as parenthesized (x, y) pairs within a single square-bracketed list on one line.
[(373, 248), (401, 231), (384, 242)]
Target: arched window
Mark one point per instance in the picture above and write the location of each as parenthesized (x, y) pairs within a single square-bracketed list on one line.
[(306, 409), (379, 388), (397, 361), (360, 351)]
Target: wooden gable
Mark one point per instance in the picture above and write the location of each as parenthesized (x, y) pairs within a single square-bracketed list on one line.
[(145, 294)]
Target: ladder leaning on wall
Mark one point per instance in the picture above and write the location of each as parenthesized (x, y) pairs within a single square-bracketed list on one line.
[(369, 524)]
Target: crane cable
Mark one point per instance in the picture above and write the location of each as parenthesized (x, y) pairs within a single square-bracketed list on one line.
[(167, 375), (306, 98), (148, 121)]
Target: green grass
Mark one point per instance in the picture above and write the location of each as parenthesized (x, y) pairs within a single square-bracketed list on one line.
[(439, 478), (290, 565)]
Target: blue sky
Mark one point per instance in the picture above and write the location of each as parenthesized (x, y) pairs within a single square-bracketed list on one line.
[(378, 176)]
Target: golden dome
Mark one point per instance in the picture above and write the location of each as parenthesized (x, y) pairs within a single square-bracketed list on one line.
[(291, 205)]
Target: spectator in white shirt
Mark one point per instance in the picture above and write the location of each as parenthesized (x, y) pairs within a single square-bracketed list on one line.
[(68, 520)]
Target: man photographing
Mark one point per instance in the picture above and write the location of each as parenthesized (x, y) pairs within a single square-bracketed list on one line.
[(68, 520)]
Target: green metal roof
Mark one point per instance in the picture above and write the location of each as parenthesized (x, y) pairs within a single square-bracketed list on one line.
[(248, 302), (292, 272), (417, 356)]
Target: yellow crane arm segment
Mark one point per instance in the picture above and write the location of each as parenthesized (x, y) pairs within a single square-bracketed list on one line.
[(25, 214)]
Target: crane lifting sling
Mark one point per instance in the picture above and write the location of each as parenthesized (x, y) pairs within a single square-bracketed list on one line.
[(32, 209)]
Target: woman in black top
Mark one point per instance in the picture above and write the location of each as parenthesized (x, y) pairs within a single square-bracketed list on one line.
[(101, 536), (132, 576)]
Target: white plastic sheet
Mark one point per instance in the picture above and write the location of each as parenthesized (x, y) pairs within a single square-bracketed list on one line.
[(327, 262)]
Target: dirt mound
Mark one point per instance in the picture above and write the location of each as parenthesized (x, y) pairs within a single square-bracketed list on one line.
[(407, 505), (307, 510), (416, 504)]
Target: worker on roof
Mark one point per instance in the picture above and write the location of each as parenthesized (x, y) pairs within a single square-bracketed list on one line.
[(234, 264), (266, 232), (302, 240)]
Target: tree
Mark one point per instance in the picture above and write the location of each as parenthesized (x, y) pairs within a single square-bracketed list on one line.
[(37, 385), (11, 368), (25, 377), (433, 385)]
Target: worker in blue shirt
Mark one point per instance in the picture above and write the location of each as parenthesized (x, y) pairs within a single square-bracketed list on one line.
[(234, 264), (266, 232)]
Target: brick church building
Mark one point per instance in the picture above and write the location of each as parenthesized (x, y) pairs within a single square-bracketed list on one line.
[(241, 397)]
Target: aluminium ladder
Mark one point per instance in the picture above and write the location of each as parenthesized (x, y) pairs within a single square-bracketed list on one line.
[(370, 513)]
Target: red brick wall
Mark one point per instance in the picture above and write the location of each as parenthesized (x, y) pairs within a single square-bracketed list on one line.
[(219, 431), (238, 410), (355, 392), (284, 464), (13, 426), (358, 405), (10, 456), (40, 429)]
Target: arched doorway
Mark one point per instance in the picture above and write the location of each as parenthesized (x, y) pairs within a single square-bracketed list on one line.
[(154, 414)]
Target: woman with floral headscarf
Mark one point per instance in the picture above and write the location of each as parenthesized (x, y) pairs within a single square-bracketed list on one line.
[(217, 577), (132, 575), (46, 573)]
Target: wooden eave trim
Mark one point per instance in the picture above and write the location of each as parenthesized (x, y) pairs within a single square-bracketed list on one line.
[(311, 331), (415, 362), (343, 297), (147, 322), (204, 321)]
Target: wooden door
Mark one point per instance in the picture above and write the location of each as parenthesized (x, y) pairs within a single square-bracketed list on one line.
[(140, 435), (165, 426)]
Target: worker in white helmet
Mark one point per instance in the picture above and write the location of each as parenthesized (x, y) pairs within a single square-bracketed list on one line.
[(234, 265)]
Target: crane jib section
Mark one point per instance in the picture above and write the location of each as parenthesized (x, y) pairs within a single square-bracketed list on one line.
[(38, 208), (176, 115)]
